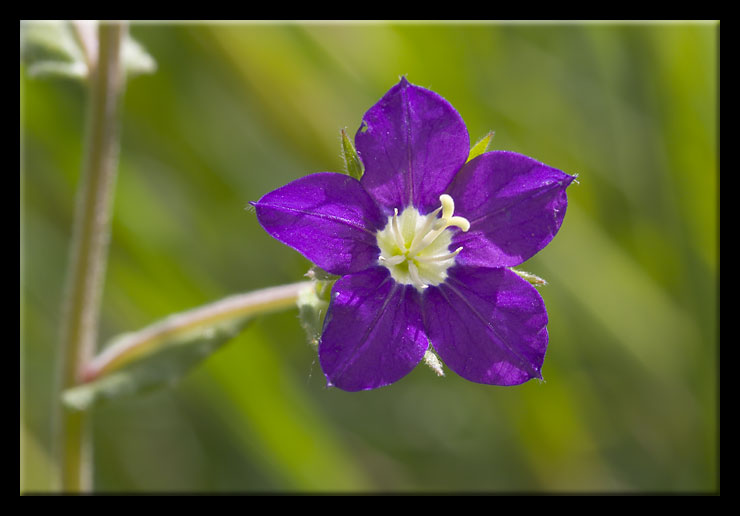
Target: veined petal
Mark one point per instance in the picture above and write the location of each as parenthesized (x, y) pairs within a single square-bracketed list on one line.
[(412, 142), (373, 332), (515, 206), (329, 218), (488, 325)]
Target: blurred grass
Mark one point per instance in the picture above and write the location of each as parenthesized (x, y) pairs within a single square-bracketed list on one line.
[(630, 398)]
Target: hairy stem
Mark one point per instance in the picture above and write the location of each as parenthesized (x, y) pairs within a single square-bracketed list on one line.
[(89, 249), (142, 342)]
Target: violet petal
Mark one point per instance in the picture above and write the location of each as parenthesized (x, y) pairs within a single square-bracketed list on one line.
[(515, 206), (373, 332), (328, 218), (488, 325), (412, 142)]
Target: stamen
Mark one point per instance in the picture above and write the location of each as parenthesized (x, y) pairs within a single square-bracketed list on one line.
[(439, 258), (432, 220), (415, 278), (429, 238), (409, 234), (397, 232), (393, 260)]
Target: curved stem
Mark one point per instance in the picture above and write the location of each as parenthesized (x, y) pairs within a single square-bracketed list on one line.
[(133, 345), (89, 248)]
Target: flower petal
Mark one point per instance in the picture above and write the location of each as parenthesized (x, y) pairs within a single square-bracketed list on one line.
[(328, 218), (515, 206), (488, 325), (412, 142), (373, 332)]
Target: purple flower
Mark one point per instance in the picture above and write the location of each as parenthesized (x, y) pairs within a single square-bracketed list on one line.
[(423, 244)]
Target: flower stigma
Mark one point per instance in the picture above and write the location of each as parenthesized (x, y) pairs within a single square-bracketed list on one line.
[(415, 247)]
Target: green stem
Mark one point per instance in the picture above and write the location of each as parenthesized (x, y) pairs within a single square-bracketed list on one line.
[(89, 250)]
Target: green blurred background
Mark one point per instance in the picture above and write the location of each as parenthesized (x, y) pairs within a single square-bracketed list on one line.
[(630, 397)]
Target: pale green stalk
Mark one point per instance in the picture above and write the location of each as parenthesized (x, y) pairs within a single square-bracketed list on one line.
[(89, 249), (137, 344)]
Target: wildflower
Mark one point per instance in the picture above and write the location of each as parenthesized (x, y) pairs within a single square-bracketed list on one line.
[(423, 243)]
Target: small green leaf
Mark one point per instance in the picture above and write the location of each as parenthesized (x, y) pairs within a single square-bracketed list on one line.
[(54, 48), (480, 147), (136, 59), (165, 364), (352, 163)]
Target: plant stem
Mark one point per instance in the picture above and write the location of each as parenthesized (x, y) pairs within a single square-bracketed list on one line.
[(133, 345), (89, 249)]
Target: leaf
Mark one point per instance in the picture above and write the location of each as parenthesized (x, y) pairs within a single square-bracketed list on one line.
[(164, 365), (352, 163), (75, 70), (51, 48), (481, 146), (55, 49), (165, 351)]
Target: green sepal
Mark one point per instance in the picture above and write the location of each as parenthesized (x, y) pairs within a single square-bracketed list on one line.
[(531, 278), (433, 361), (313, 303), (481, 146), (316, 273), (352, 163)]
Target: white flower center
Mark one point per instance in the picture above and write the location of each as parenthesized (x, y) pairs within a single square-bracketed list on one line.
[(415, 247)]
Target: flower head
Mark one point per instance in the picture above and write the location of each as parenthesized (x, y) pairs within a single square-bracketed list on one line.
[(423, 243)]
